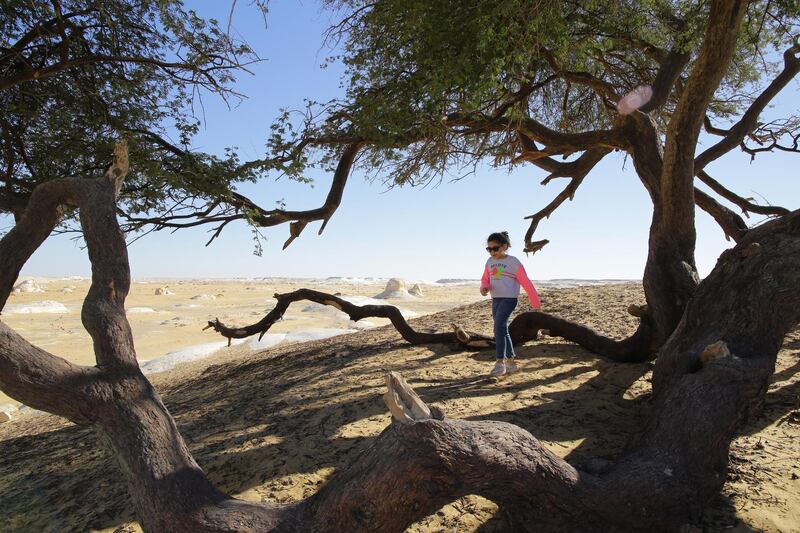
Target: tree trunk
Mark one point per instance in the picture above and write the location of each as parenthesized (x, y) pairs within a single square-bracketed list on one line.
[(670, 277), (169, 490)]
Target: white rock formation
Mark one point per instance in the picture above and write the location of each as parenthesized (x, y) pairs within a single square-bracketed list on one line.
[(416, 290), (139, 310), (395, 288), (163, 291), (7, 412), (28, 286), (45, 306)]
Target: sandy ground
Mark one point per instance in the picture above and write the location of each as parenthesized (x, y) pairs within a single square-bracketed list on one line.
[(274, 425), (166, 323)]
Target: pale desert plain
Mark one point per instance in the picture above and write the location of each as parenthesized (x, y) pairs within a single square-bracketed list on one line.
[(273, 421)]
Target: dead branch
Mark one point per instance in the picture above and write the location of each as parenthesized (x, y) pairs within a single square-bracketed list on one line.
[(734, 136), (356, 313), (634, 349), (732, 224), (743, 203), (577, 170)]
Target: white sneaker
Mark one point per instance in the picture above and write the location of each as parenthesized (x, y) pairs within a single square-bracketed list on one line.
[(498, 370), (511, 366)]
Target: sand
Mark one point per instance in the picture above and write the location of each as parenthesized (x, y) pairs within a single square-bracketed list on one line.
[(274, 425), (163, 324)]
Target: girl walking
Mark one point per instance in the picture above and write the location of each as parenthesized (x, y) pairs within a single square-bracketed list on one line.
[(502, 277)]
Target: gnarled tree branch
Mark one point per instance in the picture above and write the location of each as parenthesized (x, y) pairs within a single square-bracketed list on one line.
[(734, 136), (356, 313), (732, 224), (223, 211), (633, 349), (743, 203), (577, 170)]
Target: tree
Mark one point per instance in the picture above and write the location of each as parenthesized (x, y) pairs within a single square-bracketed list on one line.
[(522, 82), (77, 74), (502, 71)]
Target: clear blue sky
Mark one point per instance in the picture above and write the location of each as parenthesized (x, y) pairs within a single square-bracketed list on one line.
[(420, 233)]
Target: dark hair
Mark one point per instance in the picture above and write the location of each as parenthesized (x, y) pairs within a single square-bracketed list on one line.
[(501, 237)]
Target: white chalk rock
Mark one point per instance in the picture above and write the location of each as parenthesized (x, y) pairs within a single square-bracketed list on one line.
[(139, 310), (395, 288), (67, 290), (416, 290), (7, 412), (46, 306), (24, 409), (203, 297), (28, 286), (163, 291)]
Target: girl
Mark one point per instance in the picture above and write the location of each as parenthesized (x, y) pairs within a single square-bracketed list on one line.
[(503, 276)]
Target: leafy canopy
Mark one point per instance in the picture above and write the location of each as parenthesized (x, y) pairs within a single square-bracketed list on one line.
[(75, 75), (412, 62)]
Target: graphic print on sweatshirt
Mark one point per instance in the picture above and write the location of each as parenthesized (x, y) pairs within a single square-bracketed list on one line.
[(504, 278), (497, 271)]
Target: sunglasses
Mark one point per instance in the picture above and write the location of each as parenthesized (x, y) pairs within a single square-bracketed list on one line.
[(493, 248)]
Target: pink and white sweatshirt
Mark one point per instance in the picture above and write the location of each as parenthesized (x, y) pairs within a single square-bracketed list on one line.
[(503, 278)]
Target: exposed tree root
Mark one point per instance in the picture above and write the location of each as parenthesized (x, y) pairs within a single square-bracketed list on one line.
[(634, 349)]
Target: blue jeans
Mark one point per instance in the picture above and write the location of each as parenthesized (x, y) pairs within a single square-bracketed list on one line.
[(501, 310)]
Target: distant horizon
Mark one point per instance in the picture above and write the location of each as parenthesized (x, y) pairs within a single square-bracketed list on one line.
[(345, 279), (427, 233)]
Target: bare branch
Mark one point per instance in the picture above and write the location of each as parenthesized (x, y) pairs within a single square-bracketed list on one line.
[(710, 128), (236, 206), (743, 203), (734, 136), (299, 219), (732, 224), (773, 135), (577, 170)]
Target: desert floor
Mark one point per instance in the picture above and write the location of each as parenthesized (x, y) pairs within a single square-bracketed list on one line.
[(273, 425)]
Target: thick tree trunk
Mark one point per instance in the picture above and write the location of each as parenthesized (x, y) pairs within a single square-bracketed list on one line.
[(670, 276), (169, 490)]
